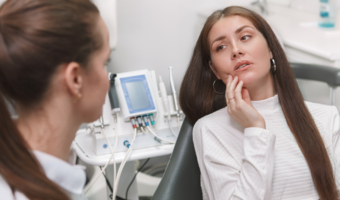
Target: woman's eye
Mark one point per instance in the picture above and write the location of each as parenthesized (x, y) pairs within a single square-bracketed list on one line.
[(220, 47), (246, 37)]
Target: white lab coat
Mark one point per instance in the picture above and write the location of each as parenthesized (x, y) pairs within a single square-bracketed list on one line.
[(71, 178)]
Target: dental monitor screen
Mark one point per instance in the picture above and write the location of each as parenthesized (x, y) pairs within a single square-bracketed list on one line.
[(137, 94)]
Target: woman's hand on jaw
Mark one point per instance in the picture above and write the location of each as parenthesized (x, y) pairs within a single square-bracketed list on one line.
[(239, 105)]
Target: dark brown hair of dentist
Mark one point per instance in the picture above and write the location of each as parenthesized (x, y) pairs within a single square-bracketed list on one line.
[(37, 36), (197, 97)]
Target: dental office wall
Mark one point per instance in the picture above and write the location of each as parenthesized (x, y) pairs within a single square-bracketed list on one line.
[(156, 34)]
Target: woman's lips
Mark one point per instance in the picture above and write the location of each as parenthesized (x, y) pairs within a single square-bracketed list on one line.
[(244, 68)]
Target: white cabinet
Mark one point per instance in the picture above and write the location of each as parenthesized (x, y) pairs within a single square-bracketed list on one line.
[(304, 41)]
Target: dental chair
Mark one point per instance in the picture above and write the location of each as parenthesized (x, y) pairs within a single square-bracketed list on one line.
[(326, 74), (181, 180)]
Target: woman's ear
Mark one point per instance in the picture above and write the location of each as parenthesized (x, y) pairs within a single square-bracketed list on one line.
[(214, 70), (73, 78)]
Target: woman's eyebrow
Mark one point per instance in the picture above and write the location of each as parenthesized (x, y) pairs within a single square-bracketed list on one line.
[(237, 31), (218, 39), (242, 27)]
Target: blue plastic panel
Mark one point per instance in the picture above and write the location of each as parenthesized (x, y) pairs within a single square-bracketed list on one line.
[(137, 94)]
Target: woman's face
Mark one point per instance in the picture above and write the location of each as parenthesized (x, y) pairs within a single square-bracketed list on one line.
[(237, 48), (96, 82)]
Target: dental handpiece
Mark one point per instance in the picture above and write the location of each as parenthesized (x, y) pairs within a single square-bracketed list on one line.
[(164, 96), (173, 90)]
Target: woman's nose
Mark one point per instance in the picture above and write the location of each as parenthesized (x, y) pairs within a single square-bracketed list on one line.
[(236, 52)]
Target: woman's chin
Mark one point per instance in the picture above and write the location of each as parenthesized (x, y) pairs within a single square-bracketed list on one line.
[(247, 78), (246, 82), (92, 116)]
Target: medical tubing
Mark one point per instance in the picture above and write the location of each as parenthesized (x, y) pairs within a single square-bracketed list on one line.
[(109, 144), (122, 165), (114, 193), (98, 175), (170, 126), (113, 150), (134, 177), (106, 180), (148, 127), (128, 152), (116, 143), (112, 157)]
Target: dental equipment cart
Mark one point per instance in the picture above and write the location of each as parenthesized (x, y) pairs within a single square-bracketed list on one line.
[(136, 124)]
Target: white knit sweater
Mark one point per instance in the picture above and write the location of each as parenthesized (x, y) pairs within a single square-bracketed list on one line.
[(258, 164)]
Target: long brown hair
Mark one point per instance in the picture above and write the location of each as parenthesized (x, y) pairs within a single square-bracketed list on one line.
[(37, 36), (197, 97)]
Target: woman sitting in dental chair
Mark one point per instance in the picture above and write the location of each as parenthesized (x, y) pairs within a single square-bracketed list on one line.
[(255, 137)]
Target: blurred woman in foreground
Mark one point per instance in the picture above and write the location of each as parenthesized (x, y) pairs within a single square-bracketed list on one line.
[(52, 66)]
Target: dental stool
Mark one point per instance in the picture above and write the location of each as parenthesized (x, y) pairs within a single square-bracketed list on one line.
[(181, 180), (329, 75)]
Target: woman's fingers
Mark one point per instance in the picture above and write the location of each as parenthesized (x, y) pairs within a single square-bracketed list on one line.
[(229, 80), (244, 113), (237, 93), (231, 88), (231, 96)]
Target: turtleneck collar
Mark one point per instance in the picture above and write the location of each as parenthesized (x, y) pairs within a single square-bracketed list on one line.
[(266, 104)]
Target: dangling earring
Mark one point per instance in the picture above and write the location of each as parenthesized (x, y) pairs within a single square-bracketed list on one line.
[(214, 87), (79, 95), (274, 65)]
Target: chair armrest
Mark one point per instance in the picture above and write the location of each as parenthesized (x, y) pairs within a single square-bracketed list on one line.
[(329, 75)]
